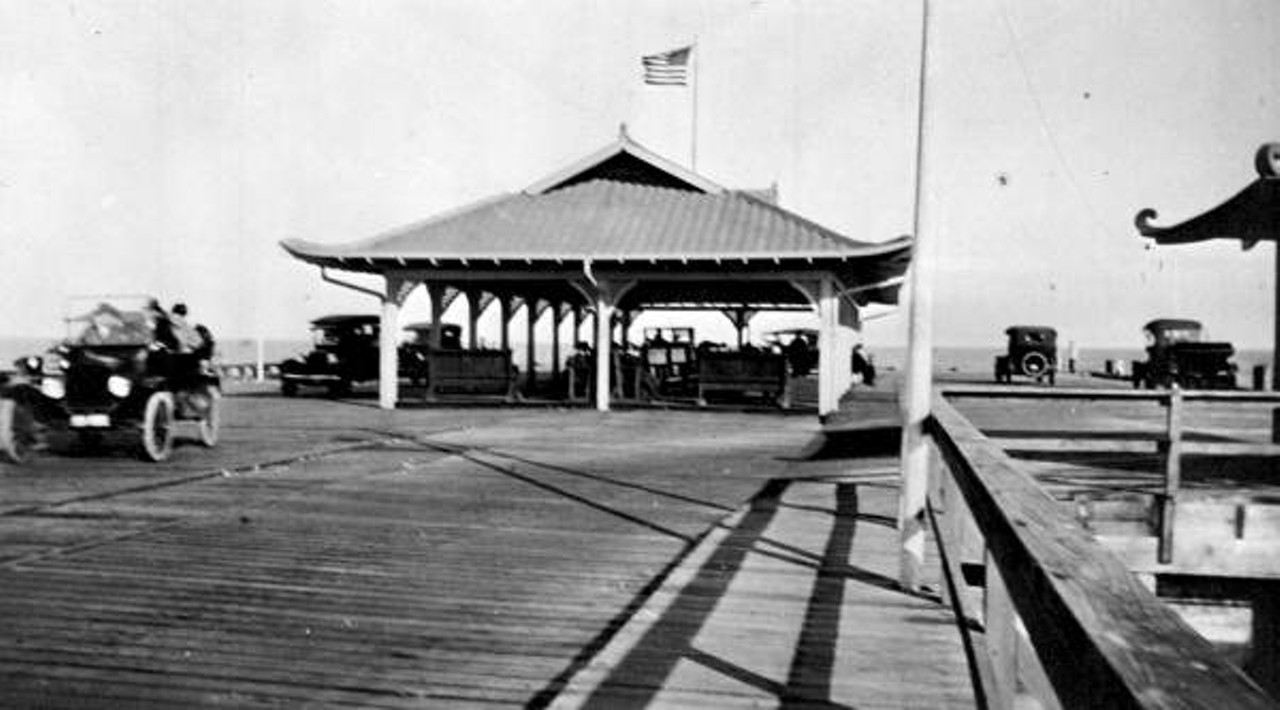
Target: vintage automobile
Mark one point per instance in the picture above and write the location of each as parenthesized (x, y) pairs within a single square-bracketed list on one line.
[(1032, 351), (1177, 354), (344, 352), (415, 350), (113, 375)]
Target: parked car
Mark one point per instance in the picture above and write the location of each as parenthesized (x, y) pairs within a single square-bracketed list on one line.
[(344, 352), (413, 352), (112, 376), (1032, 351), (1178, 354)]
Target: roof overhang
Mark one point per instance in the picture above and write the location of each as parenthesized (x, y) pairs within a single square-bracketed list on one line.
[(1251, 216)]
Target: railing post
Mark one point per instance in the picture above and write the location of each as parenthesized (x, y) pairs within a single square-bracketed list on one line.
[(1172, 475)]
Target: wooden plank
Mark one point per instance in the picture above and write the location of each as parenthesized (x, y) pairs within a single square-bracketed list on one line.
[(1104, 640)]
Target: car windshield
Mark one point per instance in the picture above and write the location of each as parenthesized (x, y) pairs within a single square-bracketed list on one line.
[(107, 324), (344, 334), (1182, 335)]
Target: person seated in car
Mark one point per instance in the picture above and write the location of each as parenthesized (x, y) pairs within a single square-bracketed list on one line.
[(188, 340)]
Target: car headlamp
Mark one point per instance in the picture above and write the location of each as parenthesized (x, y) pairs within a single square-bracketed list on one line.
[(53, 387), (119, 386), (331, 358), (31, 364)]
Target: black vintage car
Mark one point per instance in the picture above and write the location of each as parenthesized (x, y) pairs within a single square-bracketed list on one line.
[(1177, 354), (344, 353), (116, 375), (414, 352), (1032, 351)]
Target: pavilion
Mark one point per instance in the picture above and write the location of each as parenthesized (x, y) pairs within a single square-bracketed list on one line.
[(619, 232)]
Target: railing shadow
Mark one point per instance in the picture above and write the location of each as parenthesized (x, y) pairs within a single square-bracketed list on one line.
[(638, 678)]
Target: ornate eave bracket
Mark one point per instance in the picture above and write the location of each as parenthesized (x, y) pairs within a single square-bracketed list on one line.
[(1250, 216)]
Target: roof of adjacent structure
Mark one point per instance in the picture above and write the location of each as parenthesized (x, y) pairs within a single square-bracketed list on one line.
[(1252, 215)]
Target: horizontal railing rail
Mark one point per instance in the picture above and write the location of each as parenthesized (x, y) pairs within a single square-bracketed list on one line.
[(1171, 444), (1066, 623)]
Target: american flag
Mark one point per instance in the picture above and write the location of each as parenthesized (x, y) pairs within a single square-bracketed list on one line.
[(667, 68)]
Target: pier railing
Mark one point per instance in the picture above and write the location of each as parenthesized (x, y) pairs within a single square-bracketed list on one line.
[(1064, 622), (1170, 442)]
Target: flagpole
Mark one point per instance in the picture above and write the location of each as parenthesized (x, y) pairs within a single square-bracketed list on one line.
[(917, 390), (693, 128)]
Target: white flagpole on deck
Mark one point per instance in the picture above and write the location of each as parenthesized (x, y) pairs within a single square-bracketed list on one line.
[(918, 388)]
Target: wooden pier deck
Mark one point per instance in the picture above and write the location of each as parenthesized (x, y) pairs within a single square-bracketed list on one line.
[(328, 554)]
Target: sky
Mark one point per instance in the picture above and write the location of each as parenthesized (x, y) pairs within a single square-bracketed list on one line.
[(166, 147)]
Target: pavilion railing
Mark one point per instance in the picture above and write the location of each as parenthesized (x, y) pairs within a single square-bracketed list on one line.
[(1063, 622)]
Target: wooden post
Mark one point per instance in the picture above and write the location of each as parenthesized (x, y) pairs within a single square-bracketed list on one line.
[(531, 370), (504, 301), (1172, 475), (388, 360), (918, 385), (1263, 663), (1275, 350), (557, 319), (261, 371), (604, 348), (436, 293), (473, 319), (828, 360)]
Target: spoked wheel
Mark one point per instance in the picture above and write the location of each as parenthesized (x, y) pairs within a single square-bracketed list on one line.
[(211, 424), (156, 437), (1035, 364), (17, 431)]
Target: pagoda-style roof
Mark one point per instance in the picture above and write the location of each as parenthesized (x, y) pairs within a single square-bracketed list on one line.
[(624, 208), (602, 220), (1251, 216)]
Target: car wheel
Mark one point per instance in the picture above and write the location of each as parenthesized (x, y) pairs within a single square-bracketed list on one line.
[(156, 436), (288, 388), (1034, 364), (211, 423), (340, 388), (17, 428)]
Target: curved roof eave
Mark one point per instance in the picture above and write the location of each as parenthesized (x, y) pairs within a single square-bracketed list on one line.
[(315, 252), (1251, 215)]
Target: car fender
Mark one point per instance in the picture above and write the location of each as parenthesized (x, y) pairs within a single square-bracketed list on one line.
[(28, 394)]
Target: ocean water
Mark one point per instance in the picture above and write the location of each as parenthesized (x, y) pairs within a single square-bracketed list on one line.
[(961, 360)]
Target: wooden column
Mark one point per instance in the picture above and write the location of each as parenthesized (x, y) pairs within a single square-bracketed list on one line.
[(625, 327), (557, 319), (828, 361), (388, 358), (530, 350), (1275, 349), (473, 319), (604, 348), (504, 300), (436, 292)]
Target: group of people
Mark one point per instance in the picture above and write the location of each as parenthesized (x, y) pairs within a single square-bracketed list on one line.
[(174, 332)]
